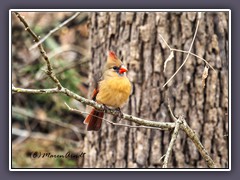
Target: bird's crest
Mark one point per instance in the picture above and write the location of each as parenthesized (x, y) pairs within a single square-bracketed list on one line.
[(112, 55)]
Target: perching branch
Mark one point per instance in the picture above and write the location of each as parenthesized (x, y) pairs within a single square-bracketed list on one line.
[(144, 123), (110, 122), (162, 125)]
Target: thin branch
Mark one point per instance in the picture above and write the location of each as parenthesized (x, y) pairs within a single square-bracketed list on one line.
[(72, 65), (179, 50), (69, 66), (37, 135), (161, 158), (172, 142), (29, 114), (165, 42), (20, 140), (68, 48), (192, 135), (162, 125), (169, 107), (56, 29), (110, 122), (188, 52), (58, 70), (36, 91), (195, 33), (42, 51)]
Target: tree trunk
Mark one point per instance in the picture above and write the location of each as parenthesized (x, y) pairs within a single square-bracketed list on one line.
[(134, 36)]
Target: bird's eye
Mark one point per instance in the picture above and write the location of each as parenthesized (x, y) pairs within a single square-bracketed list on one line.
[(115, 67)]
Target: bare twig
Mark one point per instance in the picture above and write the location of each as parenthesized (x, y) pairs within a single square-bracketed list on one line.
[(68, 48), (172, 142), (29, 114), (42, 51), (36, 91), (72, 65), (187, 54), (161, 158), (165, 42), (192, 135), (62, 69), (56, 29), (20, 140), (179, 50), (162, 125), (110, 122), (59, 70), (37, 135), (169, 107)]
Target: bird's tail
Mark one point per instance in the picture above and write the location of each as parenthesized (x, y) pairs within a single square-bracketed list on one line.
[(94, 120)]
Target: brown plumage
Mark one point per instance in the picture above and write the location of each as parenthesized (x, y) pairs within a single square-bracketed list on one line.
[(113, 90)]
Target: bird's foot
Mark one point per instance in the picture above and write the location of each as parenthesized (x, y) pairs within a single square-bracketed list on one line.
[(106, 108), (120, 114)]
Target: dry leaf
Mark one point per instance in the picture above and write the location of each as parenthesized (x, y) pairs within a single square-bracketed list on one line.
[(170, 57), (40, 114), (204, 76)]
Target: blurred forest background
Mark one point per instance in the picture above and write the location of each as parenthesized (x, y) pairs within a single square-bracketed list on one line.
[(78, 51)]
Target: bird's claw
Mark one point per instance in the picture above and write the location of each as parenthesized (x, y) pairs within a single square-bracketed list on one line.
[(106, 108), (120, 114)]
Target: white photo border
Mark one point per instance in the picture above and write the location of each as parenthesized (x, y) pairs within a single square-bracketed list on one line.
[(116, 10)]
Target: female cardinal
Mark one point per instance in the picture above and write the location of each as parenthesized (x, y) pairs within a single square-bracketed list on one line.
[(112, 90)]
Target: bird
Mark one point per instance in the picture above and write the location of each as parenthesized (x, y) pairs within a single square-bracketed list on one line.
[(113, 90)]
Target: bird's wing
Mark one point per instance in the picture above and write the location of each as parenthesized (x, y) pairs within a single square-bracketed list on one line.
[(94, 94), (96, 79)]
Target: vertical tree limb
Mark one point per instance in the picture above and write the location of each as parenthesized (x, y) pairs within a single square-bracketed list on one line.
[(172, 142)]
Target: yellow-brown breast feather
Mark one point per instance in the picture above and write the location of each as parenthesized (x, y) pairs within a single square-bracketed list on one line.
[(114, 91)]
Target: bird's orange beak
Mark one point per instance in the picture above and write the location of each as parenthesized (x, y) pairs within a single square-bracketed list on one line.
[(123, 69)]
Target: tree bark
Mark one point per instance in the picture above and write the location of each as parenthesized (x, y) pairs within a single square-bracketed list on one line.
[(134, 36)]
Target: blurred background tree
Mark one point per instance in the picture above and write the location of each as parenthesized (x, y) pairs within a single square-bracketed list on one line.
[(134, 36), (68, 51)]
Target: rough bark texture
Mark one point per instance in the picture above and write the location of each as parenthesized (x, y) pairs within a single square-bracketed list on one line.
[(134, 37)]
